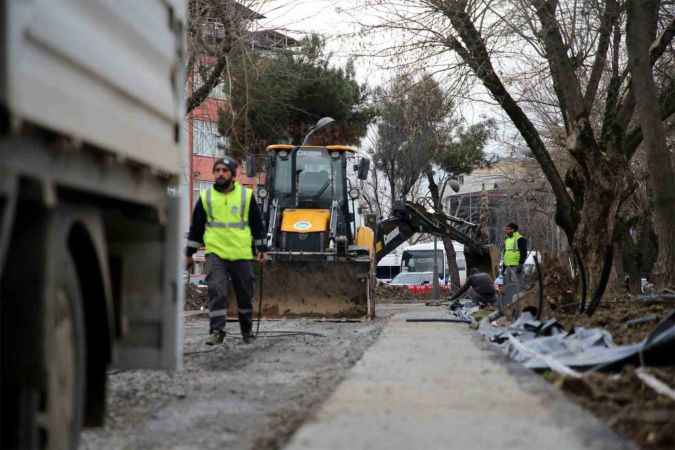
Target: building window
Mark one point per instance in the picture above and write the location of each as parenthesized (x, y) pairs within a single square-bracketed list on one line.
[(206, 141), (198, 186)]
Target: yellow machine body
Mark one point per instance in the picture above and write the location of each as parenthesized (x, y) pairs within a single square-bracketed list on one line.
[(305, 220)]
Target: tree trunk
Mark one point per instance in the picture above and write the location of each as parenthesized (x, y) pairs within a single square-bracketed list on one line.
[(450, 255), (617, 278), (597, 221), (392, 192), (641, 26)]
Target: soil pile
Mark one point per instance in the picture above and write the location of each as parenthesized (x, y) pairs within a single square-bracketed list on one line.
[(558, 289), (624, 401), (385, 293), (627, 404), (626, 317)]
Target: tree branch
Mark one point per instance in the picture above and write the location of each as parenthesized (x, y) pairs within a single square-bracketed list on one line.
[(581, 138), (667, 106), (659, 46), (203, 91), (476, 56), (609, 19), (560, 64), (626, 109), (609, 117)]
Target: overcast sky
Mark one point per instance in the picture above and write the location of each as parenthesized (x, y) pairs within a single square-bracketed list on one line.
[(336, 20)]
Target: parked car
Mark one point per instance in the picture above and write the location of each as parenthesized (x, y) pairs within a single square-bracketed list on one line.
[(418, 283)]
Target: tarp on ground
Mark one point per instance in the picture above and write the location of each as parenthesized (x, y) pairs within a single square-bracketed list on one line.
[(544, 344)]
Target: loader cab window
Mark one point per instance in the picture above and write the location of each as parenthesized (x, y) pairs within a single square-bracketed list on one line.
[(314, 177), (338, 165), (283, 179)]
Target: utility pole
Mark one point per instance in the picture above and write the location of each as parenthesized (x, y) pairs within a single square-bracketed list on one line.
[(434, 291)]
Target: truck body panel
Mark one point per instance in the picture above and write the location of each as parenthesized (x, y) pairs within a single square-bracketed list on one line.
[(93, 95), (102, 72)]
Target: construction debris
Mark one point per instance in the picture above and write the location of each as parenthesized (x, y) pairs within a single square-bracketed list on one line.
[(196, 297), (625, 402), (547, 345), (623, 316), (635, 403), (654, 383)]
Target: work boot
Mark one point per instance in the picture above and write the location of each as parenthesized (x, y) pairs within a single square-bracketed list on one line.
[(217, 337), (248, 337)]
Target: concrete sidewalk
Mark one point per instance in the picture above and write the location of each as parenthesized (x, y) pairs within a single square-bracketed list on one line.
[(436, 386)]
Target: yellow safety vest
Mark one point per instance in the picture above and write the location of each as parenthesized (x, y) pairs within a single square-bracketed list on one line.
[(228, 234), (511, 252)]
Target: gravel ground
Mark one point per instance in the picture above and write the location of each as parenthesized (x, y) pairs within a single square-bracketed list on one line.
[(234, 396)]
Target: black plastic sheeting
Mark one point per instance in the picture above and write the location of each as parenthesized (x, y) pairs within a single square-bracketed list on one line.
[(542, 345)]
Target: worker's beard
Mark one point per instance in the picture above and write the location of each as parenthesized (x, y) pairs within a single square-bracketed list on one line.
[(222, 184)]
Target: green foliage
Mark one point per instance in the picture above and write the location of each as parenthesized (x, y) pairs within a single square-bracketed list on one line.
[(464, 151), (418, 133), (277, 98)]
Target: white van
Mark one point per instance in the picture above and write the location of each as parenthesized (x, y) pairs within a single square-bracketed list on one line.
[(419, 258), (388, 267)]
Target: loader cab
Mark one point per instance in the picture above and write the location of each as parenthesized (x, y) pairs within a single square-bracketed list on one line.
[(307, 177), (307, 191)]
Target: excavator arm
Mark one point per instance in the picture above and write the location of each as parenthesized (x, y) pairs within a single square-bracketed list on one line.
[(410, 218)]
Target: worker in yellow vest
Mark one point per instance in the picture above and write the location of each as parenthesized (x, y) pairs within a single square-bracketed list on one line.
[(226, 220), (514, 255)]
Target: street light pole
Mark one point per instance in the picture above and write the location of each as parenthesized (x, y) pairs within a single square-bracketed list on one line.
[(434, 291), (322, 123)]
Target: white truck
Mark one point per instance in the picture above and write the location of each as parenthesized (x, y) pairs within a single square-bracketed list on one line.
[(91, 223)]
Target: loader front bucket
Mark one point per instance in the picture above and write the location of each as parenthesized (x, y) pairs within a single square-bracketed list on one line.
[(315, 289)]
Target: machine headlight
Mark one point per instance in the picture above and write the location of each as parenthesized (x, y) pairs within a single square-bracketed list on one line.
[(262, 192), (354, 193)]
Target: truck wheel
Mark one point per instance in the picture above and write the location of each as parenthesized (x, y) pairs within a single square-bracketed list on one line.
[(43, 349), (59, 416)]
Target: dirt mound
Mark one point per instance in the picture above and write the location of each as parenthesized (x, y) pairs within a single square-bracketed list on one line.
[(385, 293), (629, 406), (558, 287), (627, 318), (195, 297)]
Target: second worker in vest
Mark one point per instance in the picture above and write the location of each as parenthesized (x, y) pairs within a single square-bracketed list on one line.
[(226, 220), (514, 256)]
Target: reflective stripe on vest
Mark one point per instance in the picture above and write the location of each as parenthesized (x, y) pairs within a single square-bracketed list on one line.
[(511, 252), (227, 234)]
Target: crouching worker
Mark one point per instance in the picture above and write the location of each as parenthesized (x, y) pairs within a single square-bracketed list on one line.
[(226, 220), (478, 287)]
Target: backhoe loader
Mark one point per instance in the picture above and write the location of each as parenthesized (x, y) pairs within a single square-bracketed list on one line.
[(322, 263)]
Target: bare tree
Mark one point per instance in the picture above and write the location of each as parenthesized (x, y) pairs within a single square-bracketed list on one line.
[(218, 31), (404, 143), (575, 51)]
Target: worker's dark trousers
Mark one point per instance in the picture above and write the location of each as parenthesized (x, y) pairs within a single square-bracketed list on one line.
[(219, 274)]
